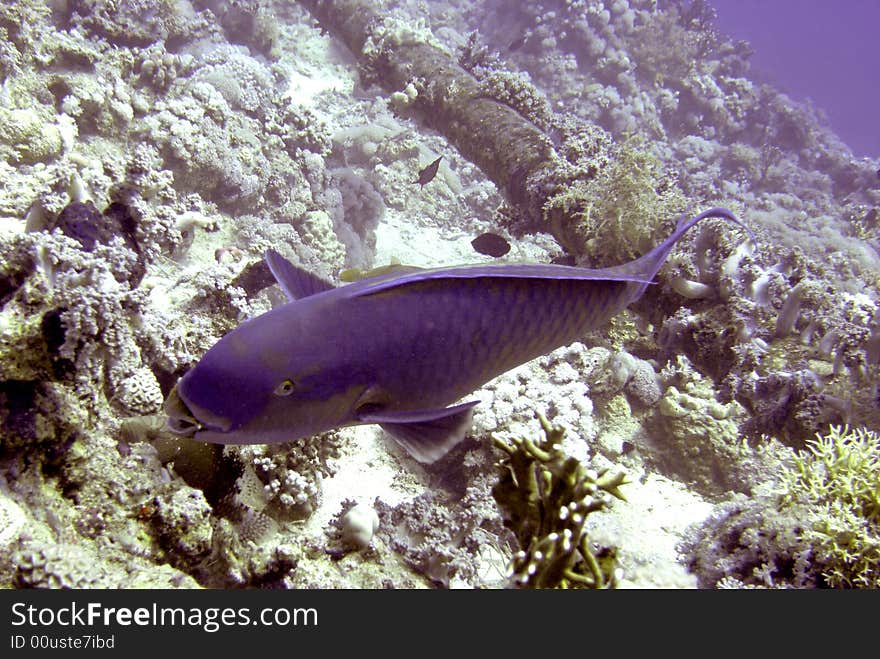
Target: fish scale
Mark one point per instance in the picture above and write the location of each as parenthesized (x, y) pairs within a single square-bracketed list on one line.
[(397, 348), (472, 340)]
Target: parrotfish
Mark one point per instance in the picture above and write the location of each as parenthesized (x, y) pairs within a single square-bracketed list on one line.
[(398, 348)]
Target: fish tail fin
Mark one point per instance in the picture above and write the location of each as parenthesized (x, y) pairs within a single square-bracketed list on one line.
[(685, 223), (643, 269)]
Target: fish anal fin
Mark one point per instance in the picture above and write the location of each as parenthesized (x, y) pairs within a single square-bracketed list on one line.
[(427, 435)]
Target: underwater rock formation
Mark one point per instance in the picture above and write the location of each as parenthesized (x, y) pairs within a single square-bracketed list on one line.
[(549, 187)]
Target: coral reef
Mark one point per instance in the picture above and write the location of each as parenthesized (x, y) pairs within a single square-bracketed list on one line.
[(12, 517), (813, 523), (747, 542), (443, 538), (151, 151), (183, 523), (514, 88), (58, 566), (700, 436), (138, 22), (559, 385), (30, 136), (285, 479), (620, 212)]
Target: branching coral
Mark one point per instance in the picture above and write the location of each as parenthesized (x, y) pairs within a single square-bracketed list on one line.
[(814, 522), (546, 496), (619, 212), (839, 478), (284, 480)]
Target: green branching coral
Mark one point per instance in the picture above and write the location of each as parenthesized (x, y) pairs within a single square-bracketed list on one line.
[(839, 477), (619, 213), (545, 496)]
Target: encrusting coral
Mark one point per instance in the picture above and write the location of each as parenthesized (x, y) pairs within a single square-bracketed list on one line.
[(545, 497), (701, 441)]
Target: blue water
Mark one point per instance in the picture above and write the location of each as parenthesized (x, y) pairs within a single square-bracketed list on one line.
[(819, 49)]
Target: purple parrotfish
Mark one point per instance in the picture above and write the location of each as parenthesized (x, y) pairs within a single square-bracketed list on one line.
[(398, 348)]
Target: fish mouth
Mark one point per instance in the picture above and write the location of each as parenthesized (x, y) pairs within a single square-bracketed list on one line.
[(180, 420), (183, 421)]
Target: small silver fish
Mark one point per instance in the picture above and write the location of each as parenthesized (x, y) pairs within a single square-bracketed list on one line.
[(397, 348)]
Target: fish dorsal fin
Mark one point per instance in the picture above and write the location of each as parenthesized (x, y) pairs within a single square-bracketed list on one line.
[(427, 435), (638, 273), (535, 271), (295, 282)]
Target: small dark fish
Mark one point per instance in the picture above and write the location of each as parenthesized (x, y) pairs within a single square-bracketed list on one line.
[(427, 174), (83, 222), (518, 43), (491, 244)]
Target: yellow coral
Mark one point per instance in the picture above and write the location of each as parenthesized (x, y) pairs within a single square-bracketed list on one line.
[(839, 476)]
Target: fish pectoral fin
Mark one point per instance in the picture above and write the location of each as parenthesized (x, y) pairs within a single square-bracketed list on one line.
[(427, 435), (295, 282)]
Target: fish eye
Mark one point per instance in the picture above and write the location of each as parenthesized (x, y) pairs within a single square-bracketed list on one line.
[(285, 388)]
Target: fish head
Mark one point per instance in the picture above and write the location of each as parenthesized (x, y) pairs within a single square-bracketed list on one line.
[(261, 384)]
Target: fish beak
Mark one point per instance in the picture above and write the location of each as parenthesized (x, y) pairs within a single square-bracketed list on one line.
[(180, 420), (191, 420)]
